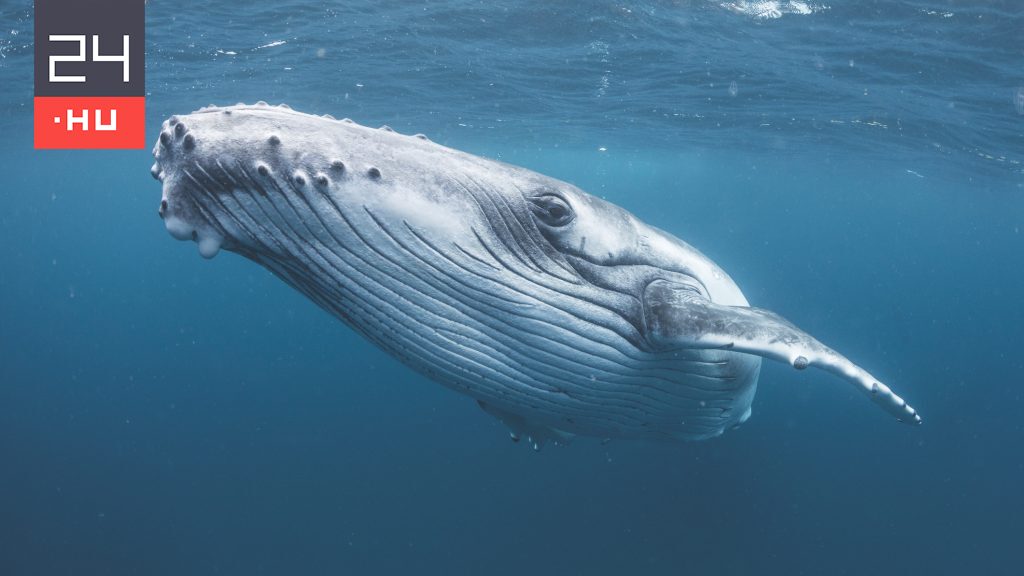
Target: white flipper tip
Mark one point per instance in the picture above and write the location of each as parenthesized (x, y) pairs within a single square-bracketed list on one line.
[(912, 416), (890, 402)]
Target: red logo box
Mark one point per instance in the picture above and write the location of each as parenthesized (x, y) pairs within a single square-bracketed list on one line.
[(90, 122)]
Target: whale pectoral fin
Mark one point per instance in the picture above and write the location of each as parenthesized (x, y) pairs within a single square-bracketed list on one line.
[(536, 435), (678, 316)]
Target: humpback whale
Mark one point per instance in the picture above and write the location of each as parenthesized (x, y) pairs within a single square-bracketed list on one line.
[(560, 313)]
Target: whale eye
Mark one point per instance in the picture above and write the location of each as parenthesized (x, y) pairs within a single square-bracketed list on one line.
[(551, 209)]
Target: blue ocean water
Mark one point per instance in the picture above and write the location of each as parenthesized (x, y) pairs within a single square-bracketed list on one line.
[(857, 167)]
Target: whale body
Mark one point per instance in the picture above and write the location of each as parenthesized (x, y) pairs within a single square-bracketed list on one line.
[(560, 313)]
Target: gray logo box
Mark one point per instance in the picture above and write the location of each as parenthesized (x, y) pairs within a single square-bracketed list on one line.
[(107, 20)]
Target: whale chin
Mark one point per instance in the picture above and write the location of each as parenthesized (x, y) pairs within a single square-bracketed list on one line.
[(208, 241), (184, 210), (180, 213)]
